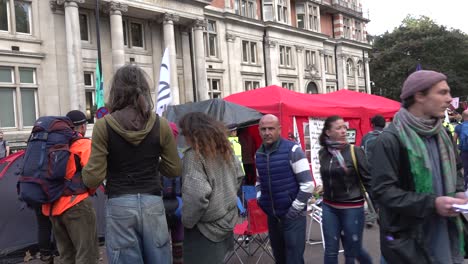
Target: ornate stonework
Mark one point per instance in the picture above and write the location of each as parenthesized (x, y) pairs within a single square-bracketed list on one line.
[(61, 2), (299, 48), (167, 17), (116, 6), (230, 37), (270, 43), (200, 24)]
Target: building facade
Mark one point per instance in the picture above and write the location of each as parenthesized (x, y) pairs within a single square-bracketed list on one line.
[(48, 50)]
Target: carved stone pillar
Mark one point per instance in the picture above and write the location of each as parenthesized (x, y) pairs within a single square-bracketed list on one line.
[(272, 64), (117, 37), (322, 70), (200, 63), (234, 61), (300, 68), (187, 62), (169, 43), (74, 57), (367, 74)]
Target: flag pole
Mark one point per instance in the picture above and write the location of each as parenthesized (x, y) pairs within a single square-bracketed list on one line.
[(98, 36)]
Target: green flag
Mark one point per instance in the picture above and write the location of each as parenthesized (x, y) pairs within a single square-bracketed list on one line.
[(99, 87)]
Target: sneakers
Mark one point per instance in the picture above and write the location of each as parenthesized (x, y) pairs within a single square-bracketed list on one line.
[(47, 259)]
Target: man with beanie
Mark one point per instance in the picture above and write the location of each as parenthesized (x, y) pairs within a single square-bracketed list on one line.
[(73, 217), (415, 178)]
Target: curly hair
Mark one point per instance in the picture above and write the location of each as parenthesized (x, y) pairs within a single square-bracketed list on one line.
[(207, 136), (130, 87)]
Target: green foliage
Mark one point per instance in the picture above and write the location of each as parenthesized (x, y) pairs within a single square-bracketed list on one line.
[(396, 54)]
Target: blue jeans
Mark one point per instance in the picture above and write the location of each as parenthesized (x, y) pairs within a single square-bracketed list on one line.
[(136, 230), (347, 224), (287, 239)]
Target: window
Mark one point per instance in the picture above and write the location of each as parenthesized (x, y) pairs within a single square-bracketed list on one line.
[(309, 58), (349, 67), (329, 65), (285, 56), (22, 16), (347, 27), (90, 89), (245, 8), (133, 34), (330, 88), (249, 52), (251, 85), (210, 38), (214, 88), (84, 27), (313, 15), (18, 85), (358, 31), (288, 85), (300, 15), (282, 11), (360, 68), (268, 10)]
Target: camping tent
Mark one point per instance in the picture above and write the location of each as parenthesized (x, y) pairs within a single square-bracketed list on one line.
[(226, 112), (356, 108), (18, 222)]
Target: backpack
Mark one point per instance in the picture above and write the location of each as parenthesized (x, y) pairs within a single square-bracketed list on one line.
[(463, 146), (369, 143), (42, 177)]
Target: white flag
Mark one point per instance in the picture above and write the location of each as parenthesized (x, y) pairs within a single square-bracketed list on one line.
[(456, 102), (164, 89)]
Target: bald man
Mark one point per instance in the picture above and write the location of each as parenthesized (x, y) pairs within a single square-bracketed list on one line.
[(284, 184), (461, 134)]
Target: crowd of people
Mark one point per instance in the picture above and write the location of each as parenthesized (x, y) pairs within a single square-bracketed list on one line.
[(165, 205)]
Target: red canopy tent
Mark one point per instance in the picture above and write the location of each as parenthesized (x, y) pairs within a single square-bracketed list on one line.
[(356, 108)]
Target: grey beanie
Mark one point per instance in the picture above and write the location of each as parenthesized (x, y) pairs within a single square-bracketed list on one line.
[(419, 81)]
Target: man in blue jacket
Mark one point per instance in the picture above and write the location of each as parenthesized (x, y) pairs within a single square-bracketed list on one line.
[(284, 184)]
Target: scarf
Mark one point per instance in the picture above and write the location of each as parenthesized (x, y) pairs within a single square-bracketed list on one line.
[(335, 147), (410, 129)]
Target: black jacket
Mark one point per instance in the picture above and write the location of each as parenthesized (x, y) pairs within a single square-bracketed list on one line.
[(402, 210), (337, 185)]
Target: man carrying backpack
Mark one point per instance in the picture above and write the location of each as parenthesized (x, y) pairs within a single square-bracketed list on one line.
[(368, 141), (72, 215), (461, 134)]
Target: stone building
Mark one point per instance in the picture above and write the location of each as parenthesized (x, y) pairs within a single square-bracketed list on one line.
[(48, 50)]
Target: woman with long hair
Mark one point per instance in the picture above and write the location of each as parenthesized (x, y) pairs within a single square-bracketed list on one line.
[(129, 147), (211, 177), (343, 200)]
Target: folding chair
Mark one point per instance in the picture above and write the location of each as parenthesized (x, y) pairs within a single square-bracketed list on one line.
[(316, 216), (252, 234)]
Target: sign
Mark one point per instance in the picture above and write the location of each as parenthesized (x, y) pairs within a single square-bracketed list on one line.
[(455, 102), (101, 112), (351, 136), (315, 129)]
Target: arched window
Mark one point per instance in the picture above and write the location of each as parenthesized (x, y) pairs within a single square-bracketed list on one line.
[(312, 88), (349, 67), (360, 69)]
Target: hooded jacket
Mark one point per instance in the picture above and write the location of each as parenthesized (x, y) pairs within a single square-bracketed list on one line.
[(403, 212), (131, 127)]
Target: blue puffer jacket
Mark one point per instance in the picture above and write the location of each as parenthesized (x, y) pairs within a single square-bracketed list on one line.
[(278, 183)]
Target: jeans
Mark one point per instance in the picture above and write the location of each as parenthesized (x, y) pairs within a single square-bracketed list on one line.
[(76, 234), (287, 239), (347, 224), (136, 230)]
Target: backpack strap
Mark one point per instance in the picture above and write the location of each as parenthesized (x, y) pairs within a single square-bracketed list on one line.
[(356, 168)]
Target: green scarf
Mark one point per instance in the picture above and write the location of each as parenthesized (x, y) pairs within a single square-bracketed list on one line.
[(410, 129)]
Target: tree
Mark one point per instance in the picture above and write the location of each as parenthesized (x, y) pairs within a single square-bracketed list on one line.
[(396, 54)]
